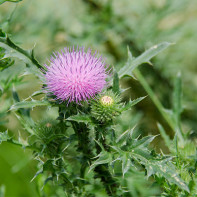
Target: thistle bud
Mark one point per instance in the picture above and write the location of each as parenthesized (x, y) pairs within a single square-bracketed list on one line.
[(106, 107)]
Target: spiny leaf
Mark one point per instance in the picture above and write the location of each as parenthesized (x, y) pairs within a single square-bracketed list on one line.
[(132, 103), (26, 123), (167, 170), (160, 167), (4, 62), (144, 142), (14, 51), (104, 157), (4, 136), (81, 118), (125, 136), (37, 173), (126, 163), (143, 58), (28, 104)]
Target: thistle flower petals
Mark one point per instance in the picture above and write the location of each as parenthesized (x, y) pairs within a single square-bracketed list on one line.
[(75, 75)]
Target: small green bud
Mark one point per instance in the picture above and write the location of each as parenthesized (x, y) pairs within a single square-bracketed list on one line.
[(106, 107), (47, 133), (45, 129)]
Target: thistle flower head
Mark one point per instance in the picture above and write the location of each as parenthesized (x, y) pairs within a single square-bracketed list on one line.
[(75, 75)]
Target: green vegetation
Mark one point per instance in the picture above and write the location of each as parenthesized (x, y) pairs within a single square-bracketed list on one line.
[(148, 147)]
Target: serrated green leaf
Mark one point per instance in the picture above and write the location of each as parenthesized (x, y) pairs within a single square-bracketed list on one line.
[(167, 170), (4, 136), (141, 155), (28, 104), (81, 118), (4, 62), (37, 173), (26, 123), (125, 136), (14, 51), (132, 103), (14, 1), (104, 157), (143, 58), (144, 142), (160, 167), (126, 163)]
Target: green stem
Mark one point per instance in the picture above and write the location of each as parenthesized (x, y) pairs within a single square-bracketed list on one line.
[(102, 170), (157, 103)]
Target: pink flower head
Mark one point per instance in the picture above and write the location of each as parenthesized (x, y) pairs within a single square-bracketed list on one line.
[(74, 75)]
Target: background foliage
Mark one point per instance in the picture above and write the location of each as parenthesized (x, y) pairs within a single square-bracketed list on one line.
[(106, 26)]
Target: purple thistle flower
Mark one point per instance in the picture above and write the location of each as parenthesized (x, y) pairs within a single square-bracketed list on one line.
[(74, 75)]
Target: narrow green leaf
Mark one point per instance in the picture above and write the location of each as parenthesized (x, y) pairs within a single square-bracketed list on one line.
[(126, 163), (36, 93), (166, 138), (81, 118), (144, 142), (165, 113), (143, 58), (177, 107), (37, 173), (24, 112), (28, 104), (104, 157), (46, 181), (125, 136), (132, 103), (26, 123)]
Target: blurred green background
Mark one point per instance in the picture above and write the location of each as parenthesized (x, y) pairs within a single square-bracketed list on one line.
[(108, 26)]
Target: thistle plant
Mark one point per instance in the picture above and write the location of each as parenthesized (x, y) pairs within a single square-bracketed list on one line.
[(82, 151)]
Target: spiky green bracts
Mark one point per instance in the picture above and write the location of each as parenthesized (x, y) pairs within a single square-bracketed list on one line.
[(106, 107)]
